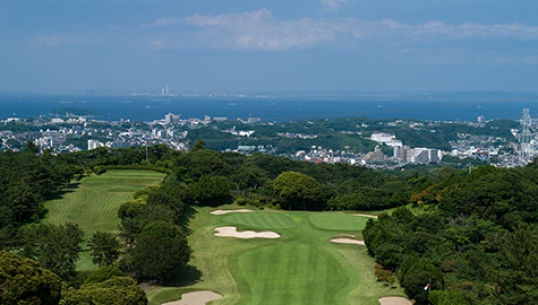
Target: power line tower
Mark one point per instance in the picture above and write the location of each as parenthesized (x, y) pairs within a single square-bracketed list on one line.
[(525, 138)]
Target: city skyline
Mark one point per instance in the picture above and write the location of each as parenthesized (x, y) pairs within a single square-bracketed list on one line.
[(268, 46)]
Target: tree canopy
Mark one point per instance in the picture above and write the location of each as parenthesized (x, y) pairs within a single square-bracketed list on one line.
[(115, 291), (22, 281), (298, 191), (55, 247), (161, 249), (104, 248)]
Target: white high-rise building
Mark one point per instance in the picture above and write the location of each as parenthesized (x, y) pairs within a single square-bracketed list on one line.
[(93, 144), (421, 155), (171, 118), (167, 90)]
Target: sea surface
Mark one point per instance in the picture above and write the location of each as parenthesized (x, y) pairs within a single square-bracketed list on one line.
[(433, 107)]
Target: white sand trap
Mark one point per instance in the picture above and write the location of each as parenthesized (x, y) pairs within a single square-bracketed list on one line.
[(222, 212), (343, 240), (232, 232), (365, 215), (394, 301), (196, 298)]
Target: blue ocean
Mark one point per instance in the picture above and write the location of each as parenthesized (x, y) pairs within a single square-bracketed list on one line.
[(433, 107)]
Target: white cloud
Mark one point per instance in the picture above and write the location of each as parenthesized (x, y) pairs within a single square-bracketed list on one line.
[(468, 30), (260, 30), (332, 5)]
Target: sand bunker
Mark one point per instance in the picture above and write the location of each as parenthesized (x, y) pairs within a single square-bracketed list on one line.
[(394, 301), (232, 232), (196, 298), (365, 215), (222, 212), (343, 240)]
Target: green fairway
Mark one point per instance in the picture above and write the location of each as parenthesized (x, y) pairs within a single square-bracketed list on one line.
[(93, 202), (301, 267)]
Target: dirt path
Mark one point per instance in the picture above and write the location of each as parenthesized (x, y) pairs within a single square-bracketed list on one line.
[(196, 298)]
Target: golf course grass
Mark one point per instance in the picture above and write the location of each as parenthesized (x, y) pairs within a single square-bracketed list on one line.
[(93, 203), (301, 267)]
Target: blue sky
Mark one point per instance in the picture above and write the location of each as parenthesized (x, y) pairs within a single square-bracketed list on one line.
[(72, 46)]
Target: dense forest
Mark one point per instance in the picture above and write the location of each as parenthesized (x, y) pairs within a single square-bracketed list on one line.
[(475, 240), (471, 235)]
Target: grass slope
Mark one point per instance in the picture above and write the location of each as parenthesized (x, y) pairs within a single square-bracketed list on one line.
[(93, 202), (301, 267)]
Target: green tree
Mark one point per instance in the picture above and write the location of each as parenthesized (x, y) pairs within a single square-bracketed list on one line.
[(519, 273), (165, 197), (22, 281), (103, 274), (388, 255), (298, 191), (104, 248), (199, 162), (131, 222), (447, 297), (13, 143), (210, 190), (161, 250), (416, 273), (56, 248), (115, 291), (31, 148)]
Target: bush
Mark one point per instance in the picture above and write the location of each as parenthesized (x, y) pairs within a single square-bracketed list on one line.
[(241, 201), (103, 274), (99, 170), (210, 190)]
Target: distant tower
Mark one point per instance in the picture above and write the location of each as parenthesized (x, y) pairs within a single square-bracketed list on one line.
[(525, 137), (167, 90)]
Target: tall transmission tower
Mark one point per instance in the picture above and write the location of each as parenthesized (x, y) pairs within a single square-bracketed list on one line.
[(525, 137)]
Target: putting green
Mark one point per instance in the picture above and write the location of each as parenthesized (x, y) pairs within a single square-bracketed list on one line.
[(337, 221), (290, 273), (267, 220)]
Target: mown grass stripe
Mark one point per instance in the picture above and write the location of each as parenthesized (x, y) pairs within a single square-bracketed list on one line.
[(92, 205), (93, 202), (291, 279), (302, 273)]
